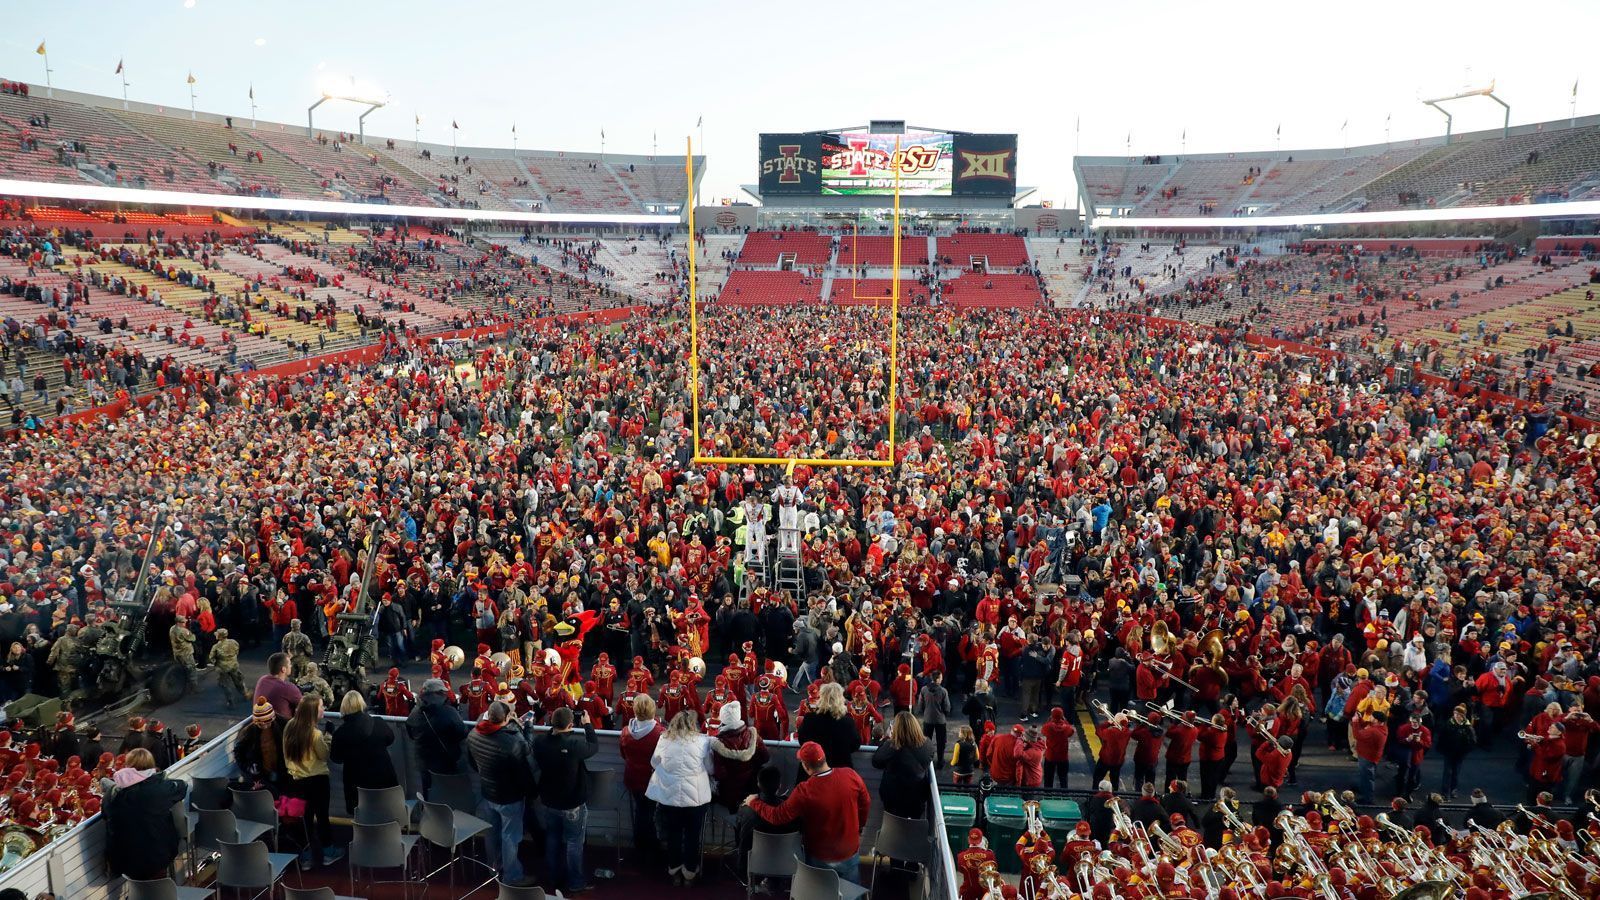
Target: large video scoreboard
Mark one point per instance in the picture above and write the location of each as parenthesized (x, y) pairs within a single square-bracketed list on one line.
[(863, 163)]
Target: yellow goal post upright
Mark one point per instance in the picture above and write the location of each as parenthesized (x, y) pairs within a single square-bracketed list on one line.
[(694, 345)]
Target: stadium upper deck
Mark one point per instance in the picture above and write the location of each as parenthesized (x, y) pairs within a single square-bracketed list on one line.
[(1540, 163), (78, 138)]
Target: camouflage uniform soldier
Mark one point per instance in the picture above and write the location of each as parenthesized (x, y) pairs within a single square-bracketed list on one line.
[(297, 644), (225, 657), (183, 646), (64, 659), (317, 684)]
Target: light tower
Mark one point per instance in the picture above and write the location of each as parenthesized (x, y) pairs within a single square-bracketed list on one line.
[(367, 99)]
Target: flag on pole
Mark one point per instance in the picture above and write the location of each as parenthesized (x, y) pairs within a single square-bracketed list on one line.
[(40, 50), (1280, 129), (119, 68), (191, 78), (1574, 88), (602, 134), (454, 125), (513, 128), (419, 118), (1185, 136), (700, 121), (252, 91), (1345, 125)]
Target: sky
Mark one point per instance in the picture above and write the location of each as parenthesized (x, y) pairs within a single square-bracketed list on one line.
[(1066, 77)]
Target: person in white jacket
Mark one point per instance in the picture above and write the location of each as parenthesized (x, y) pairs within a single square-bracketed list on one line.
[(681, 788)]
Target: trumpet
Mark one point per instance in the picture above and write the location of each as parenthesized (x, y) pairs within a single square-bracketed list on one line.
[(1133, 832)]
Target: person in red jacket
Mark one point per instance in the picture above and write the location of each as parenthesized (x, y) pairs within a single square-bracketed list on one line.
[(1146, 750), (1371, 733), (1273, 758), (1580, 725), (1544, 767), (1415, 738), (1030, 758), (637, 744), (1114, 737), (1494, 692), (831, 805), (1058, 734), (1214, 754), (1181, 738), (1003, 756)]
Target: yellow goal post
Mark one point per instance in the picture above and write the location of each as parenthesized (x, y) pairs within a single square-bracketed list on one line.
[(694, 344)]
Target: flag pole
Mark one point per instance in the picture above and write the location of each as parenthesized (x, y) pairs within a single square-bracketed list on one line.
[(44, 51), (192, 114), (252, 106), (122, 71), (1572, 109)]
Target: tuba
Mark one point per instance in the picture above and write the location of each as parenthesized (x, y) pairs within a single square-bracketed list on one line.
[(1161, 642), (1213, 651)]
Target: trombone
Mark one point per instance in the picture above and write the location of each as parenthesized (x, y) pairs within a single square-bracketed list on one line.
[(1166, 672), (1165, 710)]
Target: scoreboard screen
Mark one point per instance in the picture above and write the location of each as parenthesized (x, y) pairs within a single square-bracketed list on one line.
[(862, 163)]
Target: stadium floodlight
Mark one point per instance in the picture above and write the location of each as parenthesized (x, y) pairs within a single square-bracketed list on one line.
[(365, 96), (789, 463), (1449, 120)]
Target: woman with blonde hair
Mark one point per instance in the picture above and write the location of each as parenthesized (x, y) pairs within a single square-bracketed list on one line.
[(830, 726), (361, 745), (681, 789), (637, 743), (306, 749), (905, 757)]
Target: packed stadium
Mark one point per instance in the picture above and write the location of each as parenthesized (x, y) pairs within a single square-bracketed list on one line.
[(999, 502)]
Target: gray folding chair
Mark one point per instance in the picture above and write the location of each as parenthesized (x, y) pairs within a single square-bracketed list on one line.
[(448, 829), (519, 891), (381, 847), (164, 889), (454, 789), (218, 826), (250, 867), (905, 840), (256, 806), (605, 796), (771, 856), (375, 806), (209, 792), (813, 883), (185, 821), (313, 893)]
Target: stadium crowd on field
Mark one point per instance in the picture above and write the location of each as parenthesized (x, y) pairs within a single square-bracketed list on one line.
[(1375, 561)]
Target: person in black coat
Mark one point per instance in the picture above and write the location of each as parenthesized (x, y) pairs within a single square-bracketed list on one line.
[(438, 730), (831, 727), (361, 745), (1431, 817), (1265, 812), (1177, 802), (141, 838), (905, 756)]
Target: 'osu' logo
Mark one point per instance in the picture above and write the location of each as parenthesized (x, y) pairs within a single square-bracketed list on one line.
[(985, 165)]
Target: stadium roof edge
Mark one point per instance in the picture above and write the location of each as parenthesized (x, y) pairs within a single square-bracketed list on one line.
[(105, 194), (1314, 153), (1563, 210)]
